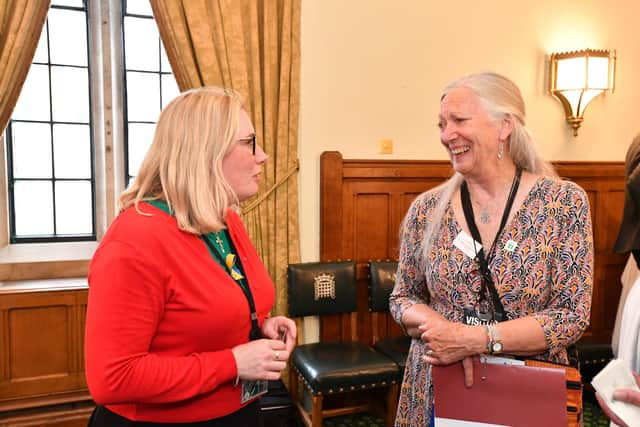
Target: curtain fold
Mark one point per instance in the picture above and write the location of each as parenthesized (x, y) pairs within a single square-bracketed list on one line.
[(21, 23), (252, 46)]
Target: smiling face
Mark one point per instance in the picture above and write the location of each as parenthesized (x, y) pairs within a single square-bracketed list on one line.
[(240, 166), (469, 133)]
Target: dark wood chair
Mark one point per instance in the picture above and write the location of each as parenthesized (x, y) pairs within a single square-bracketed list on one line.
[(382, 277), (327, 368)]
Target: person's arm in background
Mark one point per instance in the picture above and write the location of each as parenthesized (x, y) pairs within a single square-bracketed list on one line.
[(622, 395)]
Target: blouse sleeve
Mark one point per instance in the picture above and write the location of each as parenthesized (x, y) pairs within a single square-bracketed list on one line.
[(571, 275), (410, 286), (126, 303)]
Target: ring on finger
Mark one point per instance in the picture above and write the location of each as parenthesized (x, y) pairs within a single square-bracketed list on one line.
[(276, 355), (429, 353)]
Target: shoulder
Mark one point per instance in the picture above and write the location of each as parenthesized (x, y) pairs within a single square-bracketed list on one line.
[(144, 229), (561, 190), (429, 199), (145, 220)]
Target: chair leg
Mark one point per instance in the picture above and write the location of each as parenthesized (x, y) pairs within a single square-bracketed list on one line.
[(392, 405), (293, 384), (316, 411)]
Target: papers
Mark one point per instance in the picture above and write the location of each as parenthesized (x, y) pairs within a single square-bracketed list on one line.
[(616, 375), (504, 395), (448, 422)]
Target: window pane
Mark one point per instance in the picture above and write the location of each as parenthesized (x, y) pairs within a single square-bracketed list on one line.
[(165, 66), (70, 94), (31, 148), (139, 7), (72, 151), (41, 51), (139, 138), (142, 44), (33, 208), (143, 97), (68, 37), (33, 103), (75, 3), (73, 207), (169, 89)]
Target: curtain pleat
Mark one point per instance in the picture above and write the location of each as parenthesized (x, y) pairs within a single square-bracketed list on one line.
[(21, 23), (252, 46)]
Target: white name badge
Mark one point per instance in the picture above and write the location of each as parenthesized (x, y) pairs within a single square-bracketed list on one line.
[(466, 244)]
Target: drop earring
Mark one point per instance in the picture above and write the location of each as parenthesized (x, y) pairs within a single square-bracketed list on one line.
[(500, 150)]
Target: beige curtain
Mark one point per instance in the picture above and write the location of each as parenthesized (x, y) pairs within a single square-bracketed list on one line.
[(21, 23), (252, 46)]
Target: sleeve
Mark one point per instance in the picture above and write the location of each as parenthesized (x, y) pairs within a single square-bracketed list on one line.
[(566, 316), (410, 286), (126, 303)]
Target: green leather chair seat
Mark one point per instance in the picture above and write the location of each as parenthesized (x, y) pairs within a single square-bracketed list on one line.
[(343, 366), (396, 349)]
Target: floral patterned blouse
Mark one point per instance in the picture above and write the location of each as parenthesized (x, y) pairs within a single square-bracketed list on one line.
[(549, 276)]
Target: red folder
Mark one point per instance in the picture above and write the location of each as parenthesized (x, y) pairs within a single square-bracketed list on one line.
[(510, 395)]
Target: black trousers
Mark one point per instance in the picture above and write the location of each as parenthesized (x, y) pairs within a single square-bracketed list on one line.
[(249, 416)]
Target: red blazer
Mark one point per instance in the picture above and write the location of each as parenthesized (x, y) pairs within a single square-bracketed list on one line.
[(163, 316)]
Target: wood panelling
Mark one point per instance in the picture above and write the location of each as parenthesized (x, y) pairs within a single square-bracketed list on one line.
[(41, 347), (363, 202)]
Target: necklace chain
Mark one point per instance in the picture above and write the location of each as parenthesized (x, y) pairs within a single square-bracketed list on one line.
[(220, 242)]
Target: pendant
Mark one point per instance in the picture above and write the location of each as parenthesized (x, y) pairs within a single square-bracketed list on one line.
[(485, 217), (220, 243)]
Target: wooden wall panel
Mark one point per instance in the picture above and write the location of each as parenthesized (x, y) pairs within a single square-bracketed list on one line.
[(41, 348), (363, 203)]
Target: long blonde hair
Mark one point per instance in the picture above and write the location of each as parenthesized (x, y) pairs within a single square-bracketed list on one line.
[(184, 163), (500, 96)]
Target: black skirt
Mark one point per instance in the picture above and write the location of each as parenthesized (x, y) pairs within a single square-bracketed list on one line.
[(248, 416)]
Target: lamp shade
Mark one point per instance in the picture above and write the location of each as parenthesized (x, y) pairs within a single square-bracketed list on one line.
[(576, 78)]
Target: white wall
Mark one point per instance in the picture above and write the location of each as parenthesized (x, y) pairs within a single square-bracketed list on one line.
[(373, 69)]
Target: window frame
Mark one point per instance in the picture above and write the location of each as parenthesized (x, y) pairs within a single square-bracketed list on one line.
[(125, 96), (55, 237), (35, 261)]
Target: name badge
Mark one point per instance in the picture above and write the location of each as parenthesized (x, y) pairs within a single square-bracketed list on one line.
[(253, 388), (467, 244), (473, 317), (510, 245)]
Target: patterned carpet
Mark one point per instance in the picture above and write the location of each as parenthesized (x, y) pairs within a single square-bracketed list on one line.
[(360, 420), (593, 417)]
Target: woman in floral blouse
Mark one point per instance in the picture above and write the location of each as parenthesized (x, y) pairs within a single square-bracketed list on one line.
[(498, 259)]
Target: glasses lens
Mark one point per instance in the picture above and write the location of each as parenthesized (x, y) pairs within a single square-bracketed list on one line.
[(253, 145)]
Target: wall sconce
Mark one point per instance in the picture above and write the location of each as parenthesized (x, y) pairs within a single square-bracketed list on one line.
[(576, 78)]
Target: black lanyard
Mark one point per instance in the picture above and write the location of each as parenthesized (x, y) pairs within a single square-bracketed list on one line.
[(255, 333), (487, 281)]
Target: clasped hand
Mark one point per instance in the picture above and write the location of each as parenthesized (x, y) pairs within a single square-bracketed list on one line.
[(266, 358), (447, 342)]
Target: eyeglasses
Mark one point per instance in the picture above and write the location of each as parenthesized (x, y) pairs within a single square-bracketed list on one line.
[(250, 140)]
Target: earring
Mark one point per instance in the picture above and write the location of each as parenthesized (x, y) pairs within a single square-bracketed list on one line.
[(500, 150)]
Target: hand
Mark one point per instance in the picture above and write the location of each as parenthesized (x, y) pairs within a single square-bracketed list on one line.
[(623, 395), (446, 341), (263, 359), (280, 328)]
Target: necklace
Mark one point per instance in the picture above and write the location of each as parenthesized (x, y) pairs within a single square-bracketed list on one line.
[(219, 242), (485, 216), (487, 211)]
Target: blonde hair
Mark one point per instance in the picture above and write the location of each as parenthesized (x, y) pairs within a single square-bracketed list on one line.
[(184, 163), (500, 97)]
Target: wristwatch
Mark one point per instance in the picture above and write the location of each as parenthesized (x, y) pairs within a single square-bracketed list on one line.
[(495, 343)]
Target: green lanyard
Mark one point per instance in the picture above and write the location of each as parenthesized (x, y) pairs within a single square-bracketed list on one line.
[(225, 255)]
